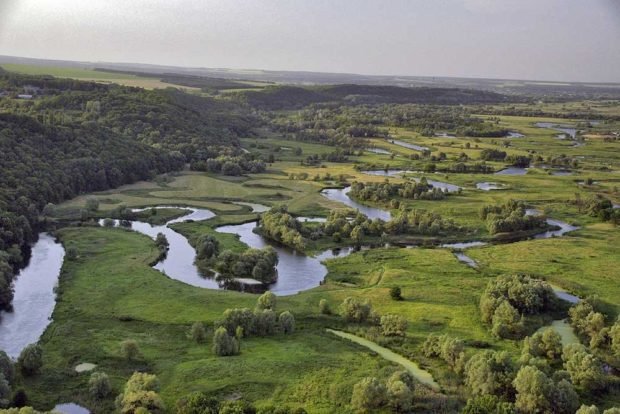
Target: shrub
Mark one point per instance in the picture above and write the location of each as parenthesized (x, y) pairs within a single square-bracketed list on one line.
[(393, 325), (6, 366), (450, 349), (207, 247), (368, 394), (5, 391), (546, 344), (20, 399), (197, 403), (130, 349), (400, 386), (395, 293), (233, 318), (140, 394), (224, 344), (198, 332), (538, 393), (355, 310), (506, 321), (236, 407), (71, 253), (585, 369), (266, 301), (92, 204), (488, 404), (325, 309), (30, 360), (265, 322), (161, 241), (99, 385), (287, 322), (506, 298), (584, 409), (108, 222), (400, 397), (490, 373)]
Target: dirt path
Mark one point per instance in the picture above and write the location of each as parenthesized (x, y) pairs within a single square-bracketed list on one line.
[(418, 373)]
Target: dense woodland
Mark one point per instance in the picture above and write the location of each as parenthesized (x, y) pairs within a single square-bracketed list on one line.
[(294, 97), (79, 137)]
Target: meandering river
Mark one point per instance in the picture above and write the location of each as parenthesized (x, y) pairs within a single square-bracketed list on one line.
[(296, 272), (34, 298), (34, 287)]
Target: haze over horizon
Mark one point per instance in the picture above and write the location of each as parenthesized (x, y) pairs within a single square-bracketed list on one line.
[(555, 40)]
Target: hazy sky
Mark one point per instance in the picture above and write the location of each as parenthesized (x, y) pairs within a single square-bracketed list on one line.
[(525, 39)]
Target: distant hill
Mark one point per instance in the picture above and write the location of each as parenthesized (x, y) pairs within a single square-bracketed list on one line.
[(540, 89), (294, 97), (206, 83)]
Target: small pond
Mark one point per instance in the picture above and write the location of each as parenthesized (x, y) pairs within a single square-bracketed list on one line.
[(489, 186), (408, 145), (378, 151), (70, 408), (451, 188), (341, 195), (561, 173), (462, 257), (512, 171), (572, 132)]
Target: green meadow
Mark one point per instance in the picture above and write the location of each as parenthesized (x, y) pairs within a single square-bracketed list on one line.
[(110, 293)]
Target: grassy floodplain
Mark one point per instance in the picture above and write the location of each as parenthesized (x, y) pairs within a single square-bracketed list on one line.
[(91, 75), (110, 293)]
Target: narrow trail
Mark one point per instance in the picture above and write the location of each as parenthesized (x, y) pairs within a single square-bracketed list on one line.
[(414, 369)]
